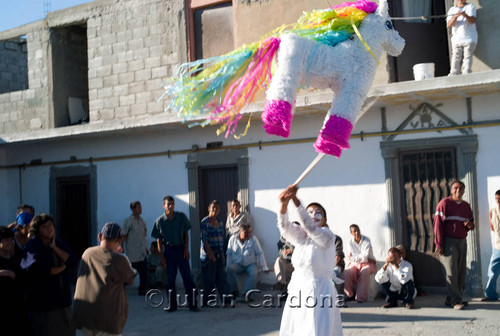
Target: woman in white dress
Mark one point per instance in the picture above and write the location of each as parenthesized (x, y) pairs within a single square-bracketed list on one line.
[(310, 307)]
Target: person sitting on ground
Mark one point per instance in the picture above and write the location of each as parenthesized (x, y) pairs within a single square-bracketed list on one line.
[(396, 280), (402, 252), (101, 304), (283, 267), (157, 276), (244, 255), (361, 264)]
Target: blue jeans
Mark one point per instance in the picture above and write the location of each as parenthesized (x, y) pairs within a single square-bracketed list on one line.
[(174, 255), (213, 274), (406, 294), (234, 269), (493, 272)]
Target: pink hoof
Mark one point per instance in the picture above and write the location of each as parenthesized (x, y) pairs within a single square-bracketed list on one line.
[(277, 117), (325, 146), (337, 130)]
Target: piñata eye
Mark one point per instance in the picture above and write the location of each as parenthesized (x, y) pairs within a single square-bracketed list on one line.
[(388, 25)]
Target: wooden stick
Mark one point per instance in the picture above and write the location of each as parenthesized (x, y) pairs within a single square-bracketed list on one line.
[(309, 168)]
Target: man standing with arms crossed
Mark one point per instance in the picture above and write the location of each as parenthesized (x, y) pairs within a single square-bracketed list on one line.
[(462, 21), (452, 222), (171, 233)]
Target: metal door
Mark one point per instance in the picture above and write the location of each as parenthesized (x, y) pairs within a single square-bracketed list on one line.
[(73, 212), (427, 178), (217, 183)]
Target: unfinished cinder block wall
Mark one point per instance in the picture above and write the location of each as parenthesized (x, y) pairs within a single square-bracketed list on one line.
[(113, 55)]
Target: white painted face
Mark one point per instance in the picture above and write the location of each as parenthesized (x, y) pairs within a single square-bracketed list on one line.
[(316, 215)]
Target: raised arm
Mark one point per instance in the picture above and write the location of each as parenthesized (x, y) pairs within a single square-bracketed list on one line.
[(292, 233)]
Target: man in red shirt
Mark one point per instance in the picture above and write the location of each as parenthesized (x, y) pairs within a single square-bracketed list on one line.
[(452, 222)]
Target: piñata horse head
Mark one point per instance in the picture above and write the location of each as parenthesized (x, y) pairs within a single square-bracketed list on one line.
[(347, 68), (324, 49)]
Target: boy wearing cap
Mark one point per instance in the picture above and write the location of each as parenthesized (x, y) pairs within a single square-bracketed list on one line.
[(21, 231), (100, 302)]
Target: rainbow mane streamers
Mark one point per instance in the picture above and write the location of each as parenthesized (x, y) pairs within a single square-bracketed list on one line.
[(221, 86)]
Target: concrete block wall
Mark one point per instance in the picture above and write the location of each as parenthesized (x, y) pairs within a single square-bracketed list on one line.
[(132, 48), (13, 65), (27, 109)]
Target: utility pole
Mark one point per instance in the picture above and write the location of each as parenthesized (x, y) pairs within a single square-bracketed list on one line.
[(46, 7)]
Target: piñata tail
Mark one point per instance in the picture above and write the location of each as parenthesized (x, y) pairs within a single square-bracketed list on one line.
[(216, 89)]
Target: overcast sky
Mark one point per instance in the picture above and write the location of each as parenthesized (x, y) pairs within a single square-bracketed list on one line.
[(15, 13)]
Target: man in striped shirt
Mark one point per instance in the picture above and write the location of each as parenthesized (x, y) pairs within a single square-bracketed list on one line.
[(452, 222)]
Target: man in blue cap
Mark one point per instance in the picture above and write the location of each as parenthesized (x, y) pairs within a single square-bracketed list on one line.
[(21, 231)]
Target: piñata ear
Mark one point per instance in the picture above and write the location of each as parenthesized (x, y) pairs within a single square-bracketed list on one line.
[(383, 8)]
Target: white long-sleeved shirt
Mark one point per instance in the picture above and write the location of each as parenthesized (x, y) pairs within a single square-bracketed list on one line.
[(398, 277), (233, 223), (299, 234), (360, 253), (246, 253)]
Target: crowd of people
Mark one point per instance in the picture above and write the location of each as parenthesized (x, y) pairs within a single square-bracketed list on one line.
[(38, 270)]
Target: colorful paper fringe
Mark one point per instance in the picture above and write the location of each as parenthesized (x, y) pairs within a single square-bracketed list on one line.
[(220, 87)]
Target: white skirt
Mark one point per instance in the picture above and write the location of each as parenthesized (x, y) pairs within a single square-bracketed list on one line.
[(310, 308)]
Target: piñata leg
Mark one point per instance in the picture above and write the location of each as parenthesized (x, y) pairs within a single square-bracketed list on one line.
[(278, 111), (336, 131)]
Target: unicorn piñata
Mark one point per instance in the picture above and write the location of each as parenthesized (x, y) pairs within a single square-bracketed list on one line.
[(337, 48)]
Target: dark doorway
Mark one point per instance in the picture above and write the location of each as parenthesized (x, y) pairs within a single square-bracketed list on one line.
[(426, 40), (426, 178), (217, 183), (73, 212), (70, 92)]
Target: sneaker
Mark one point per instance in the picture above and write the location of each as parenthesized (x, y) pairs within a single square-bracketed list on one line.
[(459, 306), (390, 304), (409, 306), (486, 299)]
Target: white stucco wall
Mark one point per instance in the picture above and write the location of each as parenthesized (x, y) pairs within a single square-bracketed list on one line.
[(488, 182), (352, 188)]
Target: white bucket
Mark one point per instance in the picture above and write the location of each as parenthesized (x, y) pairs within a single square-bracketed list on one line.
[(423, 71)]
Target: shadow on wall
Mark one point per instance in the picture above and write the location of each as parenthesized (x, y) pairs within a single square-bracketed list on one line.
[(488, 46), (265, 228)]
